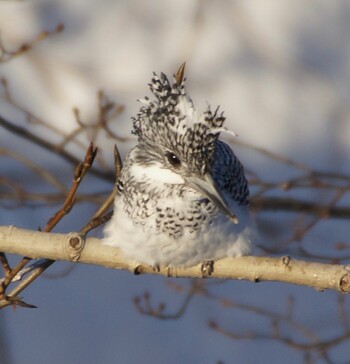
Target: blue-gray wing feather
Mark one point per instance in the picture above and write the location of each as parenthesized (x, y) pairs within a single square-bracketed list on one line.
[(228, 173)]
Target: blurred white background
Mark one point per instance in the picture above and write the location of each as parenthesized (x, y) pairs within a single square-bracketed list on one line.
[(281, 72)]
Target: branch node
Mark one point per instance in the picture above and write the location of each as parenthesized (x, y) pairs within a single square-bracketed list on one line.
[(344, 283), (74, 246), (138, 270), (286, 260)]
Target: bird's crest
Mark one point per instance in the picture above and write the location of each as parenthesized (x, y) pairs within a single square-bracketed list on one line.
[(172, 122)]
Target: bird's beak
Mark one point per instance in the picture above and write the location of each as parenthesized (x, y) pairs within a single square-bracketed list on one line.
[(206, 185)]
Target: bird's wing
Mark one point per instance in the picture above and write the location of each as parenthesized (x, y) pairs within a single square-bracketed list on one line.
[(228, 174)]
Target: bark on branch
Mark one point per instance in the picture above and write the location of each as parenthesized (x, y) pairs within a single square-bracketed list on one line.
[(74, 248)]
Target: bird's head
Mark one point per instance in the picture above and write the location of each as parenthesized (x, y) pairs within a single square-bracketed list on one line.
[(177, 140)]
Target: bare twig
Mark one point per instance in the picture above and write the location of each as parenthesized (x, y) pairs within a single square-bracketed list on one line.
[(107, 111), (98, 218), (24, 133), (6, 55), (317, 346), (11, 298), (95, 221), (5, 264), (144, 306), (22, 197), (80, 173), (297, 205), (37, 170)]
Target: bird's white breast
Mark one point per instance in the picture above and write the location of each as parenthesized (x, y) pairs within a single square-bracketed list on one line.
[(143, 243)]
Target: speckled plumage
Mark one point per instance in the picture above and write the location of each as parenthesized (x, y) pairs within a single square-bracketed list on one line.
[(183, 195)]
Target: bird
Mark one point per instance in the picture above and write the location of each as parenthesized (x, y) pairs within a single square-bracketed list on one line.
[(183, 197)]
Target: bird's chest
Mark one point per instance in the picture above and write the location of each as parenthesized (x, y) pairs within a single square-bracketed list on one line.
[(172, 210)]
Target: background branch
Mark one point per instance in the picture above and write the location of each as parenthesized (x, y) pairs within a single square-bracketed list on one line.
[(54, 148)]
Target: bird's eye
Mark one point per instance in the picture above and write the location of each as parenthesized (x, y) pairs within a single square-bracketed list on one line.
[(173, 159)]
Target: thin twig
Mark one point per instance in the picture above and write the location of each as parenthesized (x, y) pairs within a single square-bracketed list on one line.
[(144, 306), (6, 55), (35, 139), (37, 170), (98, 218), (297, 205), (80, 172)]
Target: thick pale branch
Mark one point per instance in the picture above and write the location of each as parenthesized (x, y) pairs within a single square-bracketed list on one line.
[(72, 247)]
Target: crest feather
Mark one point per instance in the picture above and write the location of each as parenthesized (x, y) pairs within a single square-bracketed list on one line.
[(172, 122)]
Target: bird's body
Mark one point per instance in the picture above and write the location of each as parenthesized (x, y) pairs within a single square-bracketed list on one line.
[(183, 196)]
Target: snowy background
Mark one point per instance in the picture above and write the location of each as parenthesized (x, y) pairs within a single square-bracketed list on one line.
[(281, 72)]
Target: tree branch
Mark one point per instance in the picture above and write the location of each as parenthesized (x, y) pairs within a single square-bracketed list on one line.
[(297, 205), (72, 247), (44, 143)]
